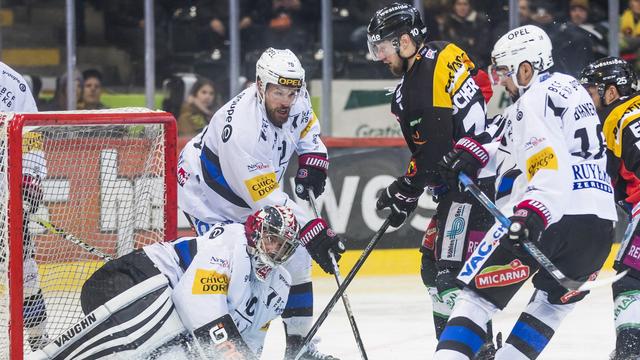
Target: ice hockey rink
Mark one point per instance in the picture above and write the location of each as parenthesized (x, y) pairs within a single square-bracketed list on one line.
[(394, 317)]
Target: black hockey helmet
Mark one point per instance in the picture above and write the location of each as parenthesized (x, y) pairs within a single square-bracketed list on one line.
[(392, 21), (607, 71)]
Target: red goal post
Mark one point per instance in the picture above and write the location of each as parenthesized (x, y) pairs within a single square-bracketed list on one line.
[(102, 180)]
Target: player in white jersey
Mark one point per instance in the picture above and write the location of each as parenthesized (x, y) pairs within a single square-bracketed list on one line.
[(237, 164), (15, 96), (552, 182), (211, 295)]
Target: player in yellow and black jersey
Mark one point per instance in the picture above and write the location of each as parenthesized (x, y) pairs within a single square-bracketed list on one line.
[(610, 82), (436, 103)]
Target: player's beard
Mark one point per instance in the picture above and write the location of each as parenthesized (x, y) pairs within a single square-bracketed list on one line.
[(396, 66), (278, 115)]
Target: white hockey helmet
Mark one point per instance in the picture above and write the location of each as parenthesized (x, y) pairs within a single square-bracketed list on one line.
[(526, 43), (280, 67)]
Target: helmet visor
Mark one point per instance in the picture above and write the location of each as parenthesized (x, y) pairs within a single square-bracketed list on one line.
[(380, 49), (498, 74)]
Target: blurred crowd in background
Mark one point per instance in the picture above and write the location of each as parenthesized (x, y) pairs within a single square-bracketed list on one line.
[(192, 38)]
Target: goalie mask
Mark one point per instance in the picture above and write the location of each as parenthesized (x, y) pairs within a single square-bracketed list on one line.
[(527, 43), (272, 237), (607, 71)]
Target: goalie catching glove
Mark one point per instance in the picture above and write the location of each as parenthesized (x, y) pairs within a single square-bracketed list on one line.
[(401, 198), (319, 239), (312, 173)]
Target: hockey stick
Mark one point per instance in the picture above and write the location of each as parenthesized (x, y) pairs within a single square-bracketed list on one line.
[(52, 229), (531, 248), (343, 287), (345, 299)]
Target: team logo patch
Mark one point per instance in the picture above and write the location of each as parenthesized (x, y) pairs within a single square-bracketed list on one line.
[(412, 169), (502, 275), (209, 282), (429, 239), (262, 185), (226, 133), (533, 142), (183, 176), (544, 159)]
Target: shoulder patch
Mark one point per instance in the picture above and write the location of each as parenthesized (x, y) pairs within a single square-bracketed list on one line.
[(210, 282), (262, 185)]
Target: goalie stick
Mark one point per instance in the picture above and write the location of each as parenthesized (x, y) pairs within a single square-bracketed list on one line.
[(343, 287), (532, 249), (52, 229), (345, 299)]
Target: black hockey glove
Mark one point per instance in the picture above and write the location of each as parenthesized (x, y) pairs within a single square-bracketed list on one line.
[(401, 198), (467, 156), (319, 239), (527, 223), (312, 173)]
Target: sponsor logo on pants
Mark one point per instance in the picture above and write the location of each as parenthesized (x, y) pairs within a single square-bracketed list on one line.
[(502, 275)]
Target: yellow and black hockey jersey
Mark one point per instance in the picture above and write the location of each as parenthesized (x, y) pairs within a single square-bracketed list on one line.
[(621, 128), (437, 102)]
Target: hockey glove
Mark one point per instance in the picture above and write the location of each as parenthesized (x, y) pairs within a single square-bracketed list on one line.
[(312, 173), (401, 198), (32, 193), (527, 223), (319, 239), (467, 156)]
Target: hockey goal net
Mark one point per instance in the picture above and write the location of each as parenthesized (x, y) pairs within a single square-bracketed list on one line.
[(76, 188)]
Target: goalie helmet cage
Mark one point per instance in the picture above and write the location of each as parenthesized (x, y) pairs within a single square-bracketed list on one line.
[(108, 178)]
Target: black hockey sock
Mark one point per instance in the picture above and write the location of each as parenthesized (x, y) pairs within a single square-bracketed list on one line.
[(627, 343), (462, 335), (530, 335)]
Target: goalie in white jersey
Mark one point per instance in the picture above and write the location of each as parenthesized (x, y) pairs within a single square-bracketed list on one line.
[(237, 164), (552, 183), (210, 297)]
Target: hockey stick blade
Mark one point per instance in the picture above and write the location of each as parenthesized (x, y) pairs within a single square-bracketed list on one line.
[(602, 282), (58, 231), (531, 248), (347, 280), (345, 299)]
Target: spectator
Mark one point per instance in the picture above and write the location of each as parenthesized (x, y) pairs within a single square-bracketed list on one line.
[(577, 42), (630, 33), (59, 100), (196, 112), (285, 23), (92, 90), (468, 29)]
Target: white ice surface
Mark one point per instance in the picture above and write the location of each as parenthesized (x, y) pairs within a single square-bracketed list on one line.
[(395, 321)]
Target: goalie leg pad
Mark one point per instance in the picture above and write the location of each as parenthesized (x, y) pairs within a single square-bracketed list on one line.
[(114, 278), (133, 323)]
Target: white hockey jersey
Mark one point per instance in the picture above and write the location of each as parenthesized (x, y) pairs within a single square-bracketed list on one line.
[(552, 152), (15, 95), (236, 165), (211, 275)]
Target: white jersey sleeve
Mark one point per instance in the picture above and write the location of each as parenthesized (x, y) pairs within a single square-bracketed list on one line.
[(15, 95), (308, 128)]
